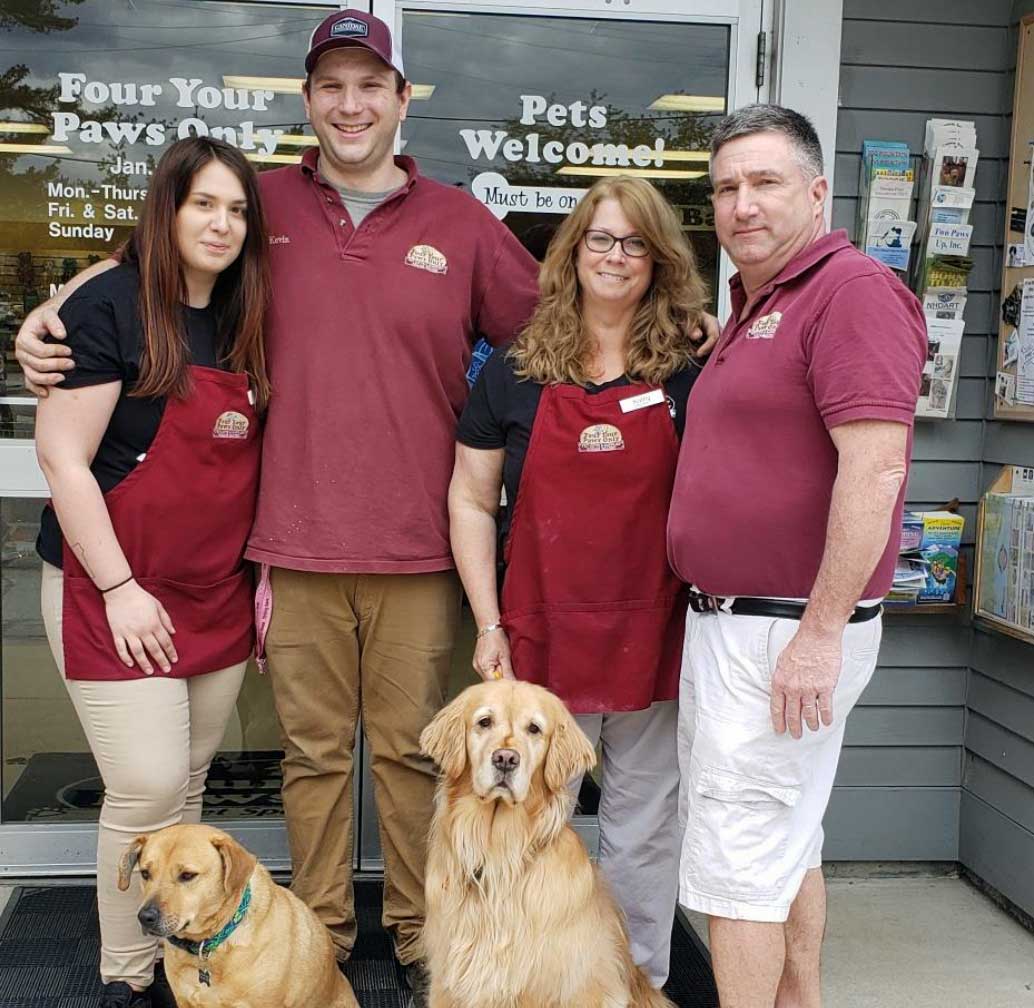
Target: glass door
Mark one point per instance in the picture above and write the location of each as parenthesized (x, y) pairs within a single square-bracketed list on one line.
[(98, 88), (525, 105)]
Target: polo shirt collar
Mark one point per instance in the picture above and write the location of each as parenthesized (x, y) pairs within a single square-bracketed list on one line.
[(808, 257), (310, 160)]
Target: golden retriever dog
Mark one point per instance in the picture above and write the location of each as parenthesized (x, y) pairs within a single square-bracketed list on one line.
[(517, 916), (278, 956)]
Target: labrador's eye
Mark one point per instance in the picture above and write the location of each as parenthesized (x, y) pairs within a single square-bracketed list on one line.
[(145, 874), (485, 722), (188, 876), (534, 729)]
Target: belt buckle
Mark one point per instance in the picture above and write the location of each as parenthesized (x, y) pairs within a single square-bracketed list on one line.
[(701, 603)]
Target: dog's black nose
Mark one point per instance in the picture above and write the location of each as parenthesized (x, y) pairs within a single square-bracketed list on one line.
[(148, 915), (506, 760)]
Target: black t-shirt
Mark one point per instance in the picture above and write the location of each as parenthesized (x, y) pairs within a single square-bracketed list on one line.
[(106, 339), (501, 410)]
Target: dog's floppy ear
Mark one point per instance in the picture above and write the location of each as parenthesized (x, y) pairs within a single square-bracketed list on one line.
[(238, 864), (445, 739), (128, 861), (570, 752)]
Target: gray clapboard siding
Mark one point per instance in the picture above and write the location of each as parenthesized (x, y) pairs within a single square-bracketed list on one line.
[(1012, 754), (901, 766), (892, 824), (929, 13), (998, 849), (963, 47), (898, 789)]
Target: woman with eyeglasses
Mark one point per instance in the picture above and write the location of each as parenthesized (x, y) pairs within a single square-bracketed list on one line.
[(579, 422)]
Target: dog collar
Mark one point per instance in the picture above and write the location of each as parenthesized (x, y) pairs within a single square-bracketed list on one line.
[(204, 948)]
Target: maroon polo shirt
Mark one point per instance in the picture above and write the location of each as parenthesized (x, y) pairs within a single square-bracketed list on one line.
[(834, 337), (368, 340)]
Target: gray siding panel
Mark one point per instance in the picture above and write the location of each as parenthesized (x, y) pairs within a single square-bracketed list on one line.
[(998, 849), (965, 93), (892, 824), (900, 766), (1011, 753), (903, 726), (962, 47), (930, 13)]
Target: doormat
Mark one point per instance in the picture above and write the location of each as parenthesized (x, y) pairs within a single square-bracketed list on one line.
[(67, 787), (50, 946)]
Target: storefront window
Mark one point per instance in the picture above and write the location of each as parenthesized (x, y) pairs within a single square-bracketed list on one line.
[(92, 92), (527, 112)]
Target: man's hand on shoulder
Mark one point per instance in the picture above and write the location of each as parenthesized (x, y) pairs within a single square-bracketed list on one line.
[(705, 335), (805, 677), (43, 363)]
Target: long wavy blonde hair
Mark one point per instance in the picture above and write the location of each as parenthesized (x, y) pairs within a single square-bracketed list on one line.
[(555, 346)]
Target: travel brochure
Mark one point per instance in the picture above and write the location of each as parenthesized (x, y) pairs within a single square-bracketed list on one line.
[(943, 262), (885, 224), (1005, 580), (928, 565)]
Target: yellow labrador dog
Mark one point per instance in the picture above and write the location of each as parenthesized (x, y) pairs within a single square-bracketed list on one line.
[(517, 917), (262, 947)]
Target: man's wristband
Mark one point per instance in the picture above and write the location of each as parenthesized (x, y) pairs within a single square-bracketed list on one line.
[(486, 630)]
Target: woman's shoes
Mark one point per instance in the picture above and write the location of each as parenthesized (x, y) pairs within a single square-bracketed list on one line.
[(121, 995), (160, 991), (158, 995)]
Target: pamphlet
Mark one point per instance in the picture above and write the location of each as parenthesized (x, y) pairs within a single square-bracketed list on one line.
[(940, 373)]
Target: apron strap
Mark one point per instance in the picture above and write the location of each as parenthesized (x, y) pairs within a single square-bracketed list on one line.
[(263, 616)]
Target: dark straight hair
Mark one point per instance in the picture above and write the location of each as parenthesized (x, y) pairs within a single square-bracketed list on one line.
[(241, 291)]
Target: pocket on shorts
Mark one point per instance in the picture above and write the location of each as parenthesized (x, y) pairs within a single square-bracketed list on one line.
[(740, 833)]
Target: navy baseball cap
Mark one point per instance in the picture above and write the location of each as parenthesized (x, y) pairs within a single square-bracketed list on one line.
[(353, 28)]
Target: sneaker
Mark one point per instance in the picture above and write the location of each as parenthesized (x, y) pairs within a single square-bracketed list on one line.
[(419, 982), (160, 991), (120, 995)]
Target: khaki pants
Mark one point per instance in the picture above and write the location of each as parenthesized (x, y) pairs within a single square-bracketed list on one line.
[(153, 740), (340, 645)]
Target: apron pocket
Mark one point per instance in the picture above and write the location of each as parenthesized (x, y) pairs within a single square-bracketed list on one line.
[(215, 623), (600, 657), (739, 833)]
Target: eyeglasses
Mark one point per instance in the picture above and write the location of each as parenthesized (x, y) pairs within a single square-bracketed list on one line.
[(604, 241)]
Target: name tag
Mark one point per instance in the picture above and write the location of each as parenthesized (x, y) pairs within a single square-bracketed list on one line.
[(654, 398)]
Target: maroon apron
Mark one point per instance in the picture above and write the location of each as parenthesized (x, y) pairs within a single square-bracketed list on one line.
[(590, 605), (182, 517)]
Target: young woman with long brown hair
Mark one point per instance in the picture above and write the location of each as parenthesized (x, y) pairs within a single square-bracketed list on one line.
[(580, 423), (151, 450)]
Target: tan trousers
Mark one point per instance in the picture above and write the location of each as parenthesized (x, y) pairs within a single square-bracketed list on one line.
[(153, 740), (340, 645)]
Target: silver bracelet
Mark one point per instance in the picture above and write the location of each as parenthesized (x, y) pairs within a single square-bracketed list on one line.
[(485, 631)]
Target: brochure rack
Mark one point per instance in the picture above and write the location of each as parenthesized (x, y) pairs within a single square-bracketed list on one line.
[(1004, 585), (1014, 382)]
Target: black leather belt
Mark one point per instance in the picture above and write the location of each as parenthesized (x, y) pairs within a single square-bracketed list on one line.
[(745, 606)]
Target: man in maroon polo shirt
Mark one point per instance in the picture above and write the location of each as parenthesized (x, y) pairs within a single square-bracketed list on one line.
[(785, 520), (382, 281)]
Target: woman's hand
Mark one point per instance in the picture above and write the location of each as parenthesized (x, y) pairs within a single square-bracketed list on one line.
[(492, 656), (140, 627)]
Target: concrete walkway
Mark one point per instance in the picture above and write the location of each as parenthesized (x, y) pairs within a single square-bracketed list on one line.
[(920, 943), (915, 943)]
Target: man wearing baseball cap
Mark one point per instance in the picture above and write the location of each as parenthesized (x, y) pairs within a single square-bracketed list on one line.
[(383, 280)]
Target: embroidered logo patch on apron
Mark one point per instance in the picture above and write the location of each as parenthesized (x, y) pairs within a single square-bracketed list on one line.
[(427, 257), (231, 424), (601, 438)]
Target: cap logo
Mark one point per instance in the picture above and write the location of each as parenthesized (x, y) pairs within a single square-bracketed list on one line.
[(349, 28)]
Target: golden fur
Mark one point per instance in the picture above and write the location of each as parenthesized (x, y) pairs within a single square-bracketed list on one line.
[(517, 916), (280, 955)]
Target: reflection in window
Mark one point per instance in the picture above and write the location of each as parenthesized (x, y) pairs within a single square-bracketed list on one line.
[(524, 110)]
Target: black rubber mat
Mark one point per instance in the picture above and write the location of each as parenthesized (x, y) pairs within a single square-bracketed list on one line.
[(49, 947)]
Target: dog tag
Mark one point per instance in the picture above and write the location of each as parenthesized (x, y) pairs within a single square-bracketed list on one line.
[(204, 977)]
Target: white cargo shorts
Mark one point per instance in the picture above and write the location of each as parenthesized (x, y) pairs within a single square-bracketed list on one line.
[(751, 801)]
